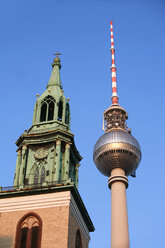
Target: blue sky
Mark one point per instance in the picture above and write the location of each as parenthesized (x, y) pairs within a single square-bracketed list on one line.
[(31, 31)]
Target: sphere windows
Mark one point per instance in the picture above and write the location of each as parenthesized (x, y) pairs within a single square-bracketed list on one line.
[(47, 109)]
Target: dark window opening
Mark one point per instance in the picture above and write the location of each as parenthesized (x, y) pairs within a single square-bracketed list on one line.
[(67, 114), (51, 111), (24, 232), (34, 237), (60, 107), (43, 112), (78, 243), (26, 181)]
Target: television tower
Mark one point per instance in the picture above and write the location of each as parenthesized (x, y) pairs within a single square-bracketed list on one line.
[(117, 155)]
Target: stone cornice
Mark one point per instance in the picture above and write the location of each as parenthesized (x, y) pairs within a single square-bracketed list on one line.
[(39, 137)]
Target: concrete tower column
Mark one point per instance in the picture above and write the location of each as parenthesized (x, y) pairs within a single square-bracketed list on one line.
[(57, 160), (118, 183)]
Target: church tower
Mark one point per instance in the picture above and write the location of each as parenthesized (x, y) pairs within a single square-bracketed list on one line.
[(44, 208), (46, 152)]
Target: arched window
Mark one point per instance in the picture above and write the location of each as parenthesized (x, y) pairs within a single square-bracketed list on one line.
[(78, 242), (67, 114), (29, 230), (60, 108), (51, 111), (43, 112), (43, 174), (47, 109), (36, 175)]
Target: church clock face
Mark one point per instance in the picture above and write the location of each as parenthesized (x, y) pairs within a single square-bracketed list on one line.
[(41, 153)]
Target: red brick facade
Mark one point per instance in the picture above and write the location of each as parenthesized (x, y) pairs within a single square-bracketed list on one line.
[(60, 220)]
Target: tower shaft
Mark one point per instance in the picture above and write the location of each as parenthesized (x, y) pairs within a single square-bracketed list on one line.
[(119, 219)]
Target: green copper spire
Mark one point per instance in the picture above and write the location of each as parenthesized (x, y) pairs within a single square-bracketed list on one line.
[(47, 154), (52, 105), (55, 75)]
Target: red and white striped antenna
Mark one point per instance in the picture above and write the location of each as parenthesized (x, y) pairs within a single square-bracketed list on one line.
[(113, 70)]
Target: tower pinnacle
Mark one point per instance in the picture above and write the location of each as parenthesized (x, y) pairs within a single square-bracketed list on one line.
[(55, 75)]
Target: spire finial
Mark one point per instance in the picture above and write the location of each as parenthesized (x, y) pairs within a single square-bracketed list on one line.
[(56, 60), (57, 53), (113, 69), (55, 76)]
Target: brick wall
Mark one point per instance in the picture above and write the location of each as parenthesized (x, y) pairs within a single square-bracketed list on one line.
[(59, 222), (54, 228), (73, 226)]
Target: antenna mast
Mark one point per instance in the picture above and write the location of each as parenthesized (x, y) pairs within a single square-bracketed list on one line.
[(113, 70)]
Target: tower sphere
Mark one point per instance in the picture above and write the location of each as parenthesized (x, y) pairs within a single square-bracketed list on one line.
[(117, 149)]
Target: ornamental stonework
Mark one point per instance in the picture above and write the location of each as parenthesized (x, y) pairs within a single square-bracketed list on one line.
[(41, 153)]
